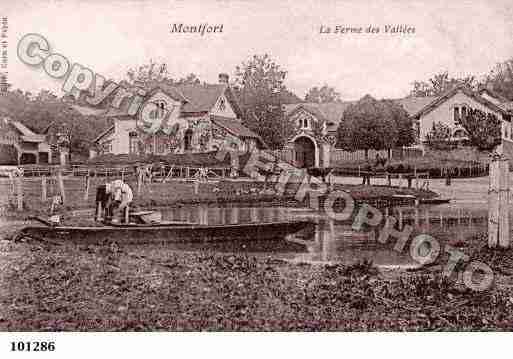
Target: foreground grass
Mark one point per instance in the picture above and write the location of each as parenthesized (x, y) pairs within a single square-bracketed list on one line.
[(93, 288)]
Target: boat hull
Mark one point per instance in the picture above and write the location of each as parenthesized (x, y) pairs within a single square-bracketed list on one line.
[(165, 233)]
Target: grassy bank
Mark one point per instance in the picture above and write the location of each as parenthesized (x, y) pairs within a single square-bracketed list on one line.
[(67, 288)]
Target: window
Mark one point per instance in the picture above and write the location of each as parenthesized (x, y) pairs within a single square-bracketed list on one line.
[(106, 147), (133, 142), (456, 115), (222, 104), (187, 140), (463, 112)]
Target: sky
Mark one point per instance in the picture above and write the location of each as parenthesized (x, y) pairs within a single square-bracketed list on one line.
[(111, 36)]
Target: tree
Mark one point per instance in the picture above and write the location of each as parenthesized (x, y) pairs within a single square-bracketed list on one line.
[(500, 79), (403, 124), (368, 124), (189, 79), (322, 95), (441, 83), (259, 85), (439, 137), (147, 75), (288, 97), (483, 129)]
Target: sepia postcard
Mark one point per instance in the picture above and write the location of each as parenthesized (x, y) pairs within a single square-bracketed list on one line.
[(253, 166)]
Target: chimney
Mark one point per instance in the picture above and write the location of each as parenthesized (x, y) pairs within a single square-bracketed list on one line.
[(223, 78)]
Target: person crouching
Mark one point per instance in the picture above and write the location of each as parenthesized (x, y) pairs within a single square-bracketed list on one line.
[(114, 199)]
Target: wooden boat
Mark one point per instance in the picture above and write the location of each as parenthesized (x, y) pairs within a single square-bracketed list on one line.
[(134, 233), (434, 200)]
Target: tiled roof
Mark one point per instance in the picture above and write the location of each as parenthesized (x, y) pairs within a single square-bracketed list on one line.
[(448, 94), (332, 111), (200, 98), (195, 97), (236, 128), (26, 133), (412, 105)]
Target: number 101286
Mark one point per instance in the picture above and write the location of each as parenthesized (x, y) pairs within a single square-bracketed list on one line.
[(32, 346)]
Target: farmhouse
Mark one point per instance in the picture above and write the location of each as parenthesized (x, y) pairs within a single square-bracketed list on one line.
[(453, 104), (313, 142), (22, 144), (202, 116)]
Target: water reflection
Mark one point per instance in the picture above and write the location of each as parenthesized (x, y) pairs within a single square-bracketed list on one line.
[(331, 241)]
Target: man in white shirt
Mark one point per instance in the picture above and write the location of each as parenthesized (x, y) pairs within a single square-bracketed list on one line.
[(117, 197)]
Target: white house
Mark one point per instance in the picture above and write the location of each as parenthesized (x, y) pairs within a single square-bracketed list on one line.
[(201, 117), (451, 106), (29, 147)]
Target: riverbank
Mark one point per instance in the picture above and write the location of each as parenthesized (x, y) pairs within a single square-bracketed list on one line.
[(93, 288), (179, 193)]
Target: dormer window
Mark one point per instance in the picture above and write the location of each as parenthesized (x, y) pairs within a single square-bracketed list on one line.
[(303, 123), (160, 109)]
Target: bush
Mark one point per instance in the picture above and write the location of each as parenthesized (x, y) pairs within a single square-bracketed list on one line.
[(8, 155)]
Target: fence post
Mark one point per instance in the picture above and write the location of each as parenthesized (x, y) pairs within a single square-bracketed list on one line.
[(504, 204), (196, 186), (19, 192), (87, 184), (44, 191), (498, 198), (60, 182)]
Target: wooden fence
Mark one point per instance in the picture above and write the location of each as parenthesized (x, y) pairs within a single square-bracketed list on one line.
[(338, 155)]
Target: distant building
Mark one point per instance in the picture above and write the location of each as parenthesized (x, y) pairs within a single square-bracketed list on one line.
[(202, 116), (452, 105), (29, 147), (316, 124)]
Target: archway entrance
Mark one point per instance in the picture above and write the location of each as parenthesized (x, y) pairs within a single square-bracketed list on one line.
[(304, 149)]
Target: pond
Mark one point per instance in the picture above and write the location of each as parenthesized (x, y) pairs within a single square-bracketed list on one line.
[(332, 241)]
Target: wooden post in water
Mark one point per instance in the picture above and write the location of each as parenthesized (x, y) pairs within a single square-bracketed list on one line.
[(504, 235), (44, 191), (498, 198), (60, 183)]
